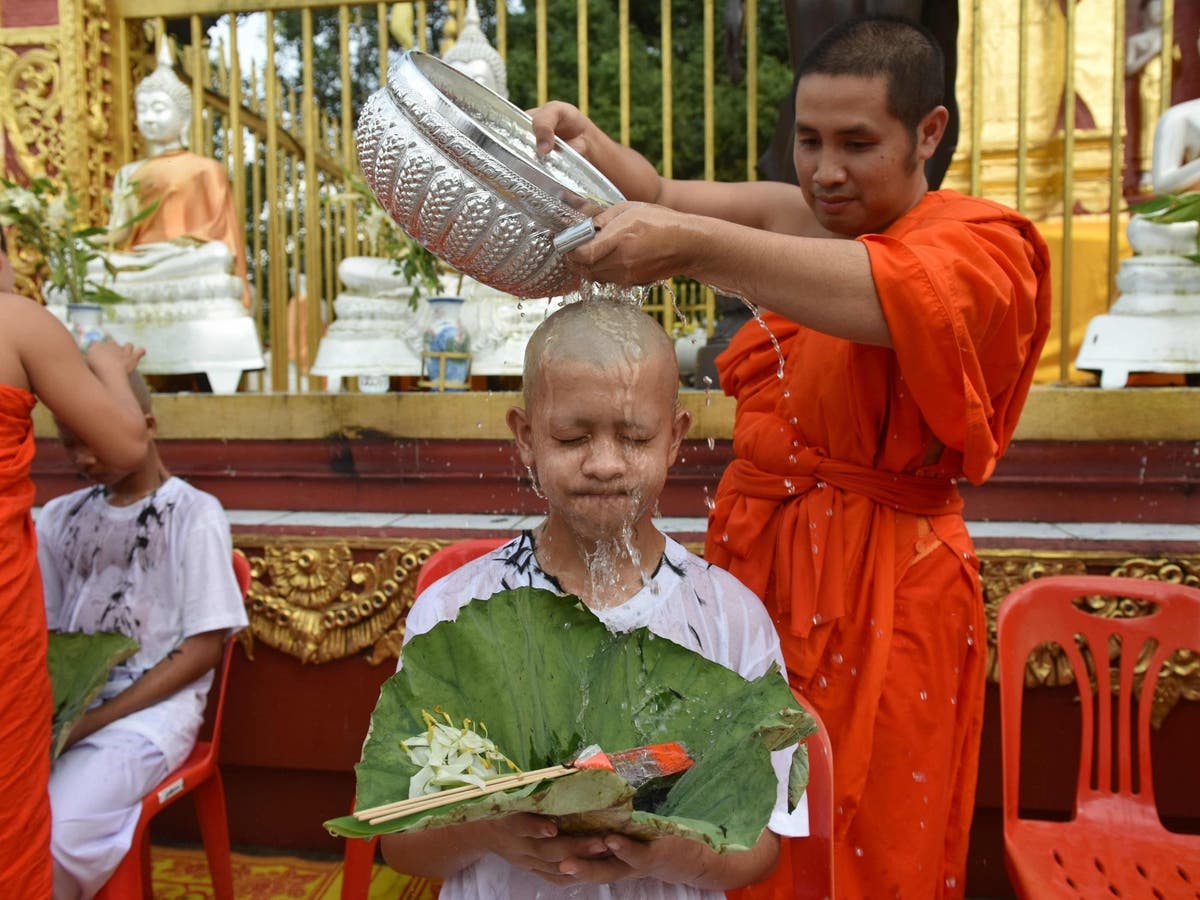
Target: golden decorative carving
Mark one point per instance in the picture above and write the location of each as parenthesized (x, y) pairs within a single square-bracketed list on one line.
[(31, 106), (313, 601), (1048, 665)]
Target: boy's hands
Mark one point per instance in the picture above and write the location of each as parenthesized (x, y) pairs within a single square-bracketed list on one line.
[(532, 842), (674, 860), (106, 354)]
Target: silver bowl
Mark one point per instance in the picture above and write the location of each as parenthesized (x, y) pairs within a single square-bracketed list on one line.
[(456, 166)]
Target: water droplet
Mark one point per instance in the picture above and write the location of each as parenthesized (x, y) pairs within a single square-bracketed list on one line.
[(812, 524), (793, 421), (822, 681), (970, 642), (788, 486), (858, 851), (725, 537), (953, 701), (815, 550), (854, 671), (922, 824), (712, 443), (837, 659), (920, 777), (878, 632), (820, 485), (817, 619), (829, 513), (786, 393), (951, 882), (792, 458), (924, 695)]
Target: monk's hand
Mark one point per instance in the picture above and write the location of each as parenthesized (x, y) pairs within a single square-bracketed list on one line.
[(564, 121), (674, 860), (636, 243), (532, 842), (110, 355)]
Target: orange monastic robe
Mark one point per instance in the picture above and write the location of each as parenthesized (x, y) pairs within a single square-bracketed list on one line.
[(840, 510), (195, 199), (25, 697)]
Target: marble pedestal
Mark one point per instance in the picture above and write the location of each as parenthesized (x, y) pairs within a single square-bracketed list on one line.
[(377, 332), (1153, 327), (186, 325)]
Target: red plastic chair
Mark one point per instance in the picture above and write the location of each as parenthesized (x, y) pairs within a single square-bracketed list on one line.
[(805, 868), (359, 856), (198, 773), (1115, 845)]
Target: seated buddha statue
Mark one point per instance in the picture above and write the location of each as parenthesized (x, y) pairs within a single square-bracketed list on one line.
[(192, 230), (175, 251), (1175, 169)]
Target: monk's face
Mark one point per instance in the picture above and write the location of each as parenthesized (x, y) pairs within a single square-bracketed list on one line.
[(859, 167), (601, 439)]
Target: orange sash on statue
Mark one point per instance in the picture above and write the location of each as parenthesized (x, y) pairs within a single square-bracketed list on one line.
[(25, 697), (195, 199)]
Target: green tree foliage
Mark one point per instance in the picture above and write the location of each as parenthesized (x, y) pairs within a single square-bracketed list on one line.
[(645, 76), (645, 70)]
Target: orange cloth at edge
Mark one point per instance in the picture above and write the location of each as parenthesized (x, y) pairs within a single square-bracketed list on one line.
[(25, 695)]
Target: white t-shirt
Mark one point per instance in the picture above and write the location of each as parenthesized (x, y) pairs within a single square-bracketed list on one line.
[(688, 601), (159, 571)]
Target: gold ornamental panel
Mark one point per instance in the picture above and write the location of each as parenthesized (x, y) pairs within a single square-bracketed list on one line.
[(313, 600)]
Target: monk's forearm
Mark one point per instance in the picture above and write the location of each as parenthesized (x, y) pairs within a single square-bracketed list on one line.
[(825, 285)]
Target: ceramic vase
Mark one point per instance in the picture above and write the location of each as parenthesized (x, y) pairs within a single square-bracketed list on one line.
[(446, 346)]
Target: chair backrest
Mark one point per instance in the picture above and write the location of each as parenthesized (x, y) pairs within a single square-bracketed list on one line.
[(214, 713), (816, 877), (1046, 610), (447, 559)]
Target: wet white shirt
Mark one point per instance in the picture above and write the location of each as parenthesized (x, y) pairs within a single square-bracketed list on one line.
[(159, 571), (688, 601)]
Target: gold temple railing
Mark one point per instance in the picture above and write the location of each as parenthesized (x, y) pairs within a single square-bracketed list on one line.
[(1061, 163)]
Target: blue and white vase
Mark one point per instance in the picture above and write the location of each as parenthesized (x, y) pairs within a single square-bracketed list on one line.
[(86, 323), (446, 335)]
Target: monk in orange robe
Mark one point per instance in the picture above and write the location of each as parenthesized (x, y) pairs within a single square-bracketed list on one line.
[(903, 332), (38, 356)]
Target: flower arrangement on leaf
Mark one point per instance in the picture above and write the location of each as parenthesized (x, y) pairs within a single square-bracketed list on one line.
[(419, 268), (46, 220)]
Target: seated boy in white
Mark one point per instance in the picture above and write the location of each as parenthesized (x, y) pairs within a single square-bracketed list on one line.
[(600, 427), (149, 556)]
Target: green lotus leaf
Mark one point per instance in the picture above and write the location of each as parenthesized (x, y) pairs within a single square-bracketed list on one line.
[(79, 665), (545, 678)]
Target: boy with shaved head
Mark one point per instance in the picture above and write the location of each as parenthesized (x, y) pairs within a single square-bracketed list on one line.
[(909, 325), (599, 428), (145, 554)]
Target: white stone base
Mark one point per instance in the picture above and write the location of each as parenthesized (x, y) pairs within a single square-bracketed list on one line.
[(1116, 345), (220, 348)]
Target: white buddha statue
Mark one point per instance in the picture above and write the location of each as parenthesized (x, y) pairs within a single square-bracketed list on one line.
[(181, 266), (376, 332), (193, 231), (1154, 325), (474, 56)]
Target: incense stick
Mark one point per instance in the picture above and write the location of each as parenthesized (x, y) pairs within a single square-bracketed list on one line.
[(400, 808)]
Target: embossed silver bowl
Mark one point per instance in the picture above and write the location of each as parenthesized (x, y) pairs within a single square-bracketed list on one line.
[(456, 166)]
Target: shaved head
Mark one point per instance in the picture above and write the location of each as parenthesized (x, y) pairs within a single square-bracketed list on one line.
[(603, 334)]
